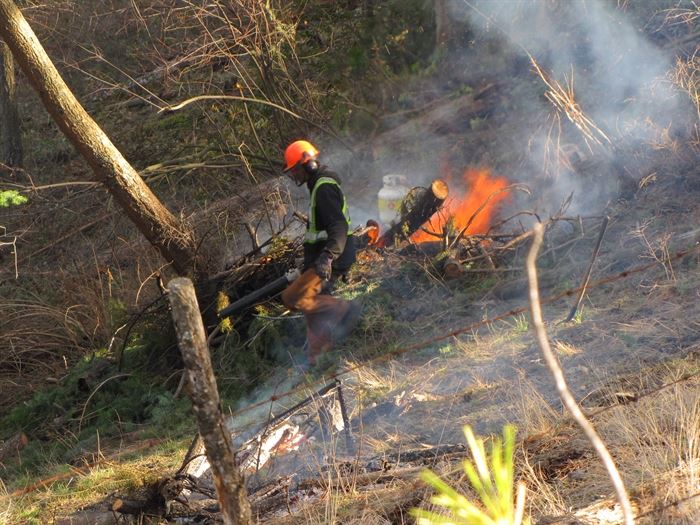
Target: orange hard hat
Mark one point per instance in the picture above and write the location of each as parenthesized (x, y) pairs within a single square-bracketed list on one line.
[(298, 151)]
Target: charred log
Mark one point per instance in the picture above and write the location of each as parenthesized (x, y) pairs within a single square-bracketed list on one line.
[(416, 210)]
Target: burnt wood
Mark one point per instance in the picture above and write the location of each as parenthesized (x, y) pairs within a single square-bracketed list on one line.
[(418, 206)]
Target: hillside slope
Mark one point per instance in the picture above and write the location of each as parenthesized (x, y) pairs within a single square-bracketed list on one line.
[(582, 110)]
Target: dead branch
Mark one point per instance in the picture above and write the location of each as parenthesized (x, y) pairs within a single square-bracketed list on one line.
[(253, 233), (12, 243), (587, 277), (563, 100), (562, 387)]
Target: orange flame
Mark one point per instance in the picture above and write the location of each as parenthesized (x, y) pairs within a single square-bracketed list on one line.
[(476, 189)]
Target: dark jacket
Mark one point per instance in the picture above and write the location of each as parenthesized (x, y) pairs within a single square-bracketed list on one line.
[(329, 217)]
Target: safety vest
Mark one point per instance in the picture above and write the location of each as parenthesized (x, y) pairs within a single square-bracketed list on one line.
[(312, 234)]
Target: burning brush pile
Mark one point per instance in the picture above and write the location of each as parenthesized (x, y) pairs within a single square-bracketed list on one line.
[(451, 224)]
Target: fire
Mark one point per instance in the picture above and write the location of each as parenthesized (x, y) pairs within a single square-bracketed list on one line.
[(477, 188)]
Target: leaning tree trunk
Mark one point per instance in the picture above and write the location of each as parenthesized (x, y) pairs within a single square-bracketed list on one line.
[(175, 242), (202, 389), (444, 26), (10, 138)]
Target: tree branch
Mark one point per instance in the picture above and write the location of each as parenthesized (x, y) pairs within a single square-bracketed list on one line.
[(563, 389)]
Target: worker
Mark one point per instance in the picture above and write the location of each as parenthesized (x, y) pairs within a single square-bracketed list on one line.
[(329, 251)]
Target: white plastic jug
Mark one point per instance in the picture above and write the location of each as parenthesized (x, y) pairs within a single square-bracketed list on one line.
[(390, 197)]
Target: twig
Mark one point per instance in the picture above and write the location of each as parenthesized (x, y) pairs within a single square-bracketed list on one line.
[(253, 233), (257, 101), (13, 243), (563, 389), (582, 290), (564, 102)]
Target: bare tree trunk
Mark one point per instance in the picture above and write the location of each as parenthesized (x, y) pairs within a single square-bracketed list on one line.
[(443, 25), (174, 241), (202, 389), (10, 137)]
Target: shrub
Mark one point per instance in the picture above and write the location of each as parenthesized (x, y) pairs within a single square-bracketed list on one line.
[(493, 484)]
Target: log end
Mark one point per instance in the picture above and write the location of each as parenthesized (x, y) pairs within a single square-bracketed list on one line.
[(452, 268), (440, 189)]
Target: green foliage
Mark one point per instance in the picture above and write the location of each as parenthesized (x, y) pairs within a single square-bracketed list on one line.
[(153, 346), (522, 323), (381, 40), (116, 311), (177, 120), (272, 337), (476, 123), (358, 59), (222, 301), (493, 482), (11, 198)]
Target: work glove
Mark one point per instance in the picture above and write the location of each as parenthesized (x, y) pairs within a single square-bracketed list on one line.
[(324, 266)]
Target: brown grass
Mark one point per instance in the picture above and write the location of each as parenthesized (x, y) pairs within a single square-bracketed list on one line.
[(563, 99), (686, 76)]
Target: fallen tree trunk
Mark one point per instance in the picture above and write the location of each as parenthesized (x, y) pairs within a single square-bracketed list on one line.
[(418, 207)]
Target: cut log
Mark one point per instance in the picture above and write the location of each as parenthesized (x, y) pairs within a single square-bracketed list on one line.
[(452, 268), (366, 236), (417, 208)]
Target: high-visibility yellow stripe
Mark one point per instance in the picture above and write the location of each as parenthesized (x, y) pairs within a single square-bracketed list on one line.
[(312, 234)]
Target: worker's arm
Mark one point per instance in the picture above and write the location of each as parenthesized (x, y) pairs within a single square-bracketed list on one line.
[(329, 217)]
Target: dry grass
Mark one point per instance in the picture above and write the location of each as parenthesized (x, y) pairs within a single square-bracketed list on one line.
[(658, 439), (656, 443), (77, 488), (686, 76), (563, 99), (43, 333)]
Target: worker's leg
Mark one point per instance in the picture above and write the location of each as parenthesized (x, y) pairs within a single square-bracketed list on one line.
[(304, 294), (323, 313)]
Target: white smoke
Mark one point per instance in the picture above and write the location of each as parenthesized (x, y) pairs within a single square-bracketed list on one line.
[(617, 78), (613, 65)]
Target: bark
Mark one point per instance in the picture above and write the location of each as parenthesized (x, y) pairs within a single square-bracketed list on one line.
[(203, 391), (175, 242), (129, 507), (417, 208), (10, 135)]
